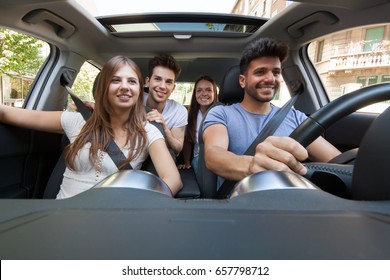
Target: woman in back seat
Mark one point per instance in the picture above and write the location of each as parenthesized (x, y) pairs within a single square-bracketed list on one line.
[(203, 96)]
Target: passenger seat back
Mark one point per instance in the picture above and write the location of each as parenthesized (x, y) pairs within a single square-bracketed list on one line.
[(230, 92)]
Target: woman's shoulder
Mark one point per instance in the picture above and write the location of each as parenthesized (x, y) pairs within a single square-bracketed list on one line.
[(72, 117), (226, 109), (72, 122), (151, 128), (153, 132)]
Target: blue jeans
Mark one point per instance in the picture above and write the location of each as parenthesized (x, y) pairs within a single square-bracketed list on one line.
[(194, 164)]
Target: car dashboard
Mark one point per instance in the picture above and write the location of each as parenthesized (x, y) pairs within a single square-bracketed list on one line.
[(132, 223)]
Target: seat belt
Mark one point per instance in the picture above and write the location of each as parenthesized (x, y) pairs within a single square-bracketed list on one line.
[(269, 129), (113, 150)]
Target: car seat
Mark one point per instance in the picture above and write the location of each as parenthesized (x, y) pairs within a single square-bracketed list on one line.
[(230, 92)]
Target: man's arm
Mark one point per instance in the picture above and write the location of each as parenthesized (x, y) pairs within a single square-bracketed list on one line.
[(322, 151), (217, 157), (274, 153), (174, 138)]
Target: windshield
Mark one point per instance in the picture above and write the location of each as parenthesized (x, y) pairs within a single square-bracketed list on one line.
[(116, 7)]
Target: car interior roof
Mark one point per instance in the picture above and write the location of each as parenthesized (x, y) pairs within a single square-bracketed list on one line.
[(194, 54)]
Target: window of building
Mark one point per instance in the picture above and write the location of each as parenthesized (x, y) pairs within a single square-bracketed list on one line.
[(385, 78), (373, 39), (366, 81), (320, 49)]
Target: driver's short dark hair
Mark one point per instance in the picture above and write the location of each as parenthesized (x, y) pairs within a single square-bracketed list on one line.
[(263, 47)]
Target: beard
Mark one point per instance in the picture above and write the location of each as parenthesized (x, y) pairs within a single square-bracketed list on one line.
[(263, 92)]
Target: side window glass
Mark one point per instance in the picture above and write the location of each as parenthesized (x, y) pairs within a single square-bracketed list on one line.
[(353, 59), (83, 84), (183, 93), (21, 57)]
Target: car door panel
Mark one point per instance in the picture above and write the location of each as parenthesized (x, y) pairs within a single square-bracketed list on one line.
[(27, 159)]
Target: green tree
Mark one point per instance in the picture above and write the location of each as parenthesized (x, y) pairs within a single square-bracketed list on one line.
[(83, 84), (19, 53)]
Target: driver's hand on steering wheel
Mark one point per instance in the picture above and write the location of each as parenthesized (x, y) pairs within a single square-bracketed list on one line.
[(279, 153)]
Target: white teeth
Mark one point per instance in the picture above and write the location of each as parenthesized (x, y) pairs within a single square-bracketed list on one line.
[(124, 97)]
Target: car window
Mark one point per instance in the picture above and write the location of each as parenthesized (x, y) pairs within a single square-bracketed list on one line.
[(83, 84), (352, 59), (183, 93), (21, 57)]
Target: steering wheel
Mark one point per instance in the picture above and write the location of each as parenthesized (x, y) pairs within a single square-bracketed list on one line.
[(319, 121), (136, 179)]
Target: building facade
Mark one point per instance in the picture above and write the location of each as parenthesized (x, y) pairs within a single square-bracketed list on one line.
[(345, 61)]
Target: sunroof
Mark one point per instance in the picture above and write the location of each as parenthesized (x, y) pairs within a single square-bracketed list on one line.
[(182, 26), (117, 7), (182, 22)]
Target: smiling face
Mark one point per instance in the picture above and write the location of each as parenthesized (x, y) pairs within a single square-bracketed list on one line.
[(262, 78), (204, 93), (124, 88), (161, 84)]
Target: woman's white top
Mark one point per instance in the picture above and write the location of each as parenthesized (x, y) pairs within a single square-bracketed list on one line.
[(85, 175)]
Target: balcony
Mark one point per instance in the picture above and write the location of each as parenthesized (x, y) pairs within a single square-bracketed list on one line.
[(349, 62)]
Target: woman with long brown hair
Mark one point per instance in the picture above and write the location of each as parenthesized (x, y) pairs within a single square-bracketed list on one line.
[(118, 114), (203, 96)]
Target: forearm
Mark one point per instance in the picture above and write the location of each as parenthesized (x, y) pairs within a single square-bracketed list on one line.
[(174, 183), (49, 121), (11, 115), (322, 151), (172, 142), (165, 166), (227, 164)]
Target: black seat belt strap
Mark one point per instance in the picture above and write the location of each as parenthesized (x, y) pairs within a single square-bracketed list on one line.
[(272, 125), (84, 110), (269, 129)]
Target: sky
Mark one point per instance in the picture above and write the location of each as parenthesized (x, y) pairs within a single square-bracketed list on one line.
[(104, 7)]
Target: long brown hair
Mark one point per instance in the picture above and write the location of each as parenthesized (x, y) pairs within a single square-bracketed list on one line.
[(98, 131), (194, 108)]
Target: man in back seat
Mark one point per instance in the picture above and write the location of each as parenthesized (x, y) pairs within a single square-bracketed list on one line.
[(163, 72)]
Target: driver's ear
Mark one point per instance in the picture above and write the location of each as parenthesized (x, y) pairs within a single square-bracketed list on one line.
[(241, 79)]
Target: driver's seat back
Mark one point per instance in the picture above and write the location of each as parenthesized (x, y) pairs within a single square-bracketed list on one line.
[(370, 179), (230, 92)]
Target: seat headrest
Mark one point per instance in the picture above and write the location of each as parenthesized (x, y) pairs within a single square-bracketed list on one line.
[(230, 90), (95, 84)]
